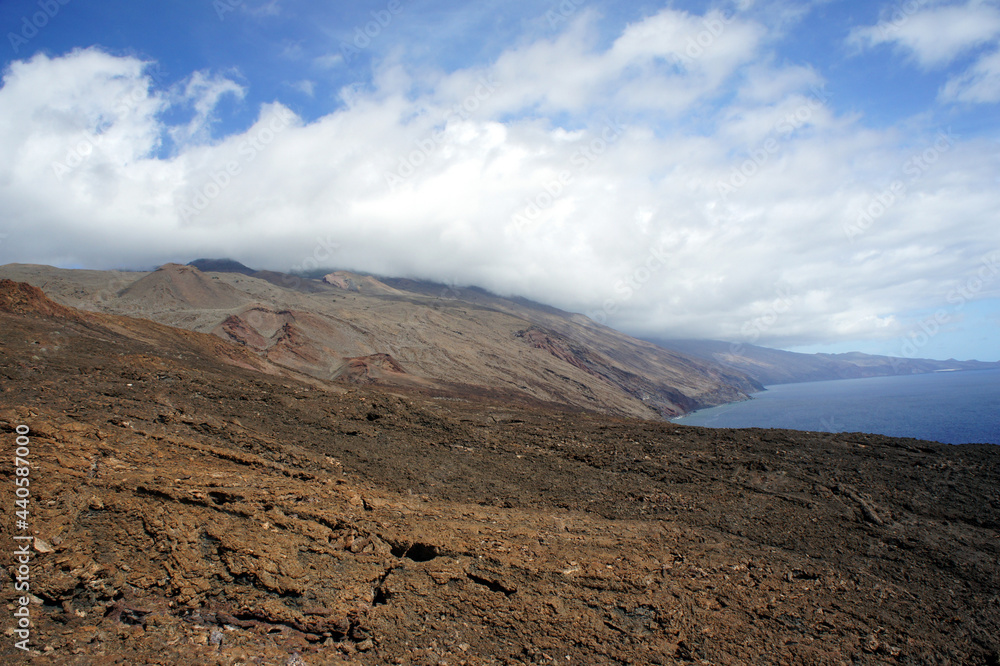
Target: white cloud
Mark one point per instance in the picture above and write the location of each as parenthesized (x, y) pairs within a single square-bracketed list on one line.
[(264, 10), (565, 172), (936, 35), (202, 92), (305, 86), (329, 61), (293, 51), (979, 84), (99, 113), (665, 62)]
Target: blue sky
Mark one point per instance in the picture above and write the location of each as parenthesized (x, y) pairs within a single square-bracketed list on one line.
[(821, 176)]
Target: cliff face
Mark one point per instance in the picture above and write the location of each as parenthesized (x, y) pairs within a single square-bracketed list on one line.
[(453, 340), (191, 507)]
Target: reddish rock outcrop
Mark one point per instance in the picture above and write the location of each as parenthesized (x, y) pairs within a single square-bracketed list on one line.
[(20, 298), (372, 369)]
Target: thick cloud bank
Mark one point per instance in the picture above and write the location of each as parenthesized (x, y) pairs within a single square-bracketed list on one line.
[(675, 181)]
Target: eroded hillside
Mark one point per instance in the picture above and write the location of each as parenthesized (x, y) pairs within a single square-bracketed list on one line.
[(448, 341)]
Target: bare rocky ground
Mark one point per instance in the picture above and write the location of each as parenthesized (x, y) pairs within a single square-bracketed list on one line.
[(190, 509)]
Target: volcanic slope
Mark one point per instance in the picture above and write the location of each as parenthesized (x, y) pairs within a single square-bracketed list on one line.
[(280, 523), (358, 329)]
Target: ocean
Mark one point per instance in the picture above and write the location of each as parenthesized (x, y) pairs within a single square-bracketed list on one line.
[(948, 407)]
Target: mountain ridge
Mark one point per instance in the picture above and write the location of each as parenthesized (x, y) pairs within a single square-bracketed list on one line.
[(764, 365), (347, 327), (776, 366), (454, 341)]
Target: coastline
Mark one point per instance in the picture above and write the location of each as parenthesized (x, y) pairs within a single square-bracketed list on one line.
[(950, 407)]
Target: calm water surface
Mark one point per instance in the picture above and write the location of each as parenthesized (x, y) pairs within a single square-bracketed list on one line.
[(950, 407)]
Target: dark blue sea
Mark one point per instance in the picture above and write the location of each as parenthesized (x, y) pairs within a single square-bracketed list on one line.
[(949, 407)]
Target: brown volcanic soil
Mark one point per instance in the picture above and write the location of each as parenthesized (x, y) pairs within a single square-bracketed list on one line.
[(191, 511)]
